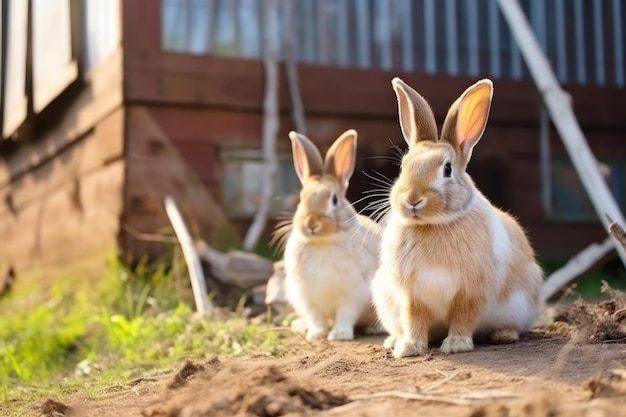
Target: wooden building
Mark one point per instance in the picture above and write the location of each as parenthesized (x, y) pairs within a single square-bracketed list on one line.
[(110, 105)]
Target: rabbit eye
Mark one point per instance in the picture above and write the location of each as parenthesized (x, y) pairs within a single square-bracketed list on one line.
[(335, 199), (447, 170)]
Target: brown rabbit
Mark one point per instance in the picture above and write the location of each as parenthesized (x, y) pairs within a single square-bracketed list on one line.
[(451, 263)]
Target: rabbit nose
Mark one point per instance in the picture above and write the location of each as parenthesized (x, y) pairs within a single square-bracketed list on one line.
[(312, 224), (414, 204)]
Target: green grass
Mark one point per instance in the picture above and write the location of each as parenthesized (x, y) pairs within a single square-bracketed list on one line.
[(90, 336)]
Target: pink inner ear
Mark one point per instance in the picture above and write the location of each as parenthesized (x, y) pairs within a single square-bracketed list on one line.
[(300, 161), (472, 117), (343, 162)]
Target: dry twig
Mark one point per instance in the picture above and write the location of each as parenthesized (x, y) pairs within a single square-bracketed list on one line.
[(466, 399), (617, 231)]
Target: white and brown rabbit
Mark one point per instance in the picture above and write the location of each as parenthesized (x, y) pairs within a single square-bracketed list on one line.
[(331, 252), (452, 265)]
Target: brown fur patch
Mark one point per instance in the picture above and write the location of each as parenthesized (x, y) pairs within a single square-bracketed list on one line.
[(464, 313)]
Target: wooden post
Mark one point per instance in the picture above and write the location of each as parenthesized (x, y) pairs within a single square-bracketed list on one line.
[(291, 41), (198, 285), (270, 122), (563, 117)]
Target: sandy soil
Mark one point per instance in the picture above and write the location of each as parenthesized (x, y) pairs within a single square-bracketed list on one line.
[(545, 374)]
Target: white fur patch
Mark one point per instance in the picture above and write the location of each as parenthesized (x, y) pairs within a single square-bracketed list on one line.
[(436, 287), (517, 311), (321, 279), (500, 245)]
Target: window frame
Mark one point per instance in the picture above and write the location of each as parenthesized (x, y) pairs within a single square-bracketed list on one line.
[(286, 191)]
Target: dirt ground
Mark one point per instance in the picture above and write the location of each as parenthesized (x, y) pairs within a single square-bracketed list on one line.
[(573, 369)]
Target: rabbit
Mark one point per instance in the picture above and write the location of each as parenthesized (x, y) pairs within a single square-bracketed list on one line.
[(452, 265), (330, 252)]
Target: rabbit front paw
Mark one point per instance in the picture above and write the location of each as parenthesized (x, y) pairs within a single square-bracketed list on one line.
[(390, 341), (457, 344), (341, 333), (505, 335), (315, 333), (408, 347)]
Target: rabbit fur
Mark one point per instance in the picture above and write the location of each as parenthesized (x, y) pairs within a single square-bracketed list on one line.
[(452, 265), (331, 252)]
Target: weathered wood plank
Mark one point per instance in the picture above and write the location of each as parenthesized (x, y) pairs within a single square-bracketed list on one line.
[(236, 83), (65, 226), (156, 170), (92, 152)]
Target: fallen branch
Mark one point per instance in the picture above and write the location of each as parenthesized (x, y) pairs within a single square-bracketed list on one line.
[(203, 305), (244, 270), (574, 268)]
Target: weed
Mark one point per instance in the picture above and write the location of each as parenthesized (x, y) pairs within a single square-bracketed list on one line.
[(89, 337)]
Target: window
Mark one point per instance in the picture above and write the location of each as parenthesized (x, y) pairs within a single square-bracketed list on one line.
[(242, 183), (54, 62), (569, 198), (15, 100), (41, 64)]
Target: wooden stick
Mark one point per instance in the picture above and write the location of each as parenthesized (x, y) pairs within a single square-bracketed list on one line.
[(467, 399), (271, 122), (407, 395), (203, 305), (575, 267), (617, 231)]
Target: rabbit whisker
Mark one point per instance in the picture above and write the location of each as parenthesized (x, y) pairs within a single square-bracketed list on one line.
[(369, 197), (379, 178)]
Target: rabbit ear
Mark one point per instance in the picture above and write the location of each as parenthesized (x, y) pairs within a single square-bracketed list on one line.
[(417, 120), (341, 157), (307, 160), (467, 118)]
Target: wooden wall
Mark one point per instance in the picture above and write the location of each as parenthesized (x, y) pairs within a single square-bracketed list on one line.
[(155, 170), (204, 103), (61, 182)]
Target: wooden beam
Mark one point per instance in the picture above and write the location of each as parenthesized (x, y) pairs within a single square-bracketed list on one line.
[(237, 84)]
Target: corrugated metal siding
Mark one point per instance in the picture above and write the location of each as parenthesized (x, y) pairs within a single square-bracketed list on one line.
[(584, 39)]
